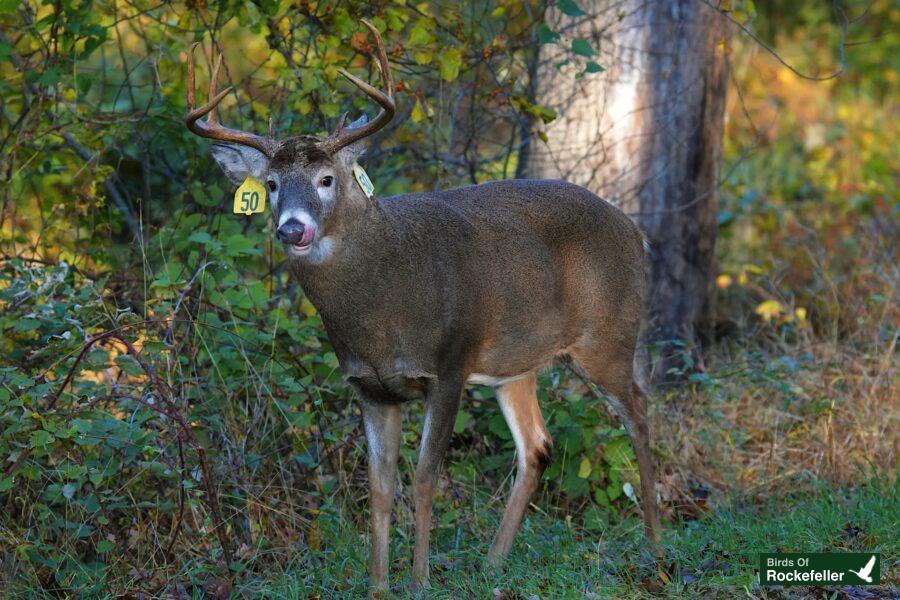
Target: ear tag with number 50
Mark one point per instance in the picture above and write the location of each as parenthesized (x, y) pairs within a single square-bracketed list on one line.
[(249, 198), (365, 184)]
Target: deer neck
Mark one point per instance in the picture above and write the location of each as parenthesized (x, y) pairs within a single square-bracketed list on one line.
[(357, 236)]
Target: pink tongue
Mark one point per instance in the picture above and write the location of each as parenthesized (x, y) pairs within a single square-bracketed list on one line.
[(309, 232)]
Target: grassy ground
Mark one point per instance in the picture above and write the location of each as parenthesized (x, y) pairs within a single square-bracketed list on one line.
[(715, 556)]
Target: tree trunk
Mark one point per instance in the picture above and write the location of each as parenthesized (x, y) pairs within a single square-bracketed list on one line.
[(645, 134)]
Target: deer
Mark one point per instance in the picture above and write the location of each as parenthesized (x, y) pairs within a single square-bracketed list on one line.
[(422, 294)]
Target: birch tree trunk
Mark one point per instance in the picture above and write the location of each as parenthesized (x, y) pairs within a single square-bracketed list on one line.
[(645, 134)]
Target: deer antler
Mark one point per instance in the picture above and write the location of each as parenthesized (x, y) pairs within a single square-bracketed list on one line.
[(211, 128), (344, 137)]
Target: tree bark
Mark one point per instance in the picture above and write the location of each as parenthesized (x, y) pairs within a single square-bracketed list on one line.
[(645, 134)]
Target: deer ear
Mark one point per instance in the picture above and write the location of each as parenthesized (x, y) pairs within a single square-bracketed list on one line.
[(356, 149), (239, 162)]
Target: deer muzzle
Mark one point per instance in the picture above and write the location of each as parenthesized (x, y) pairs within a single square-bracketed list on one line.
[(295, 234)]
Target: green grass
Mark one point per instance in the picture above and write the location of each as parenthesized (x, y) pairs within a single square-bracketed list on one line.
[(714, 556)]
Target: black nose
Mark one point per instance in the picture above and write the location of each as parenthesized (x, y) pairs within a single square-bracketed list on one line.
[(290, 232)]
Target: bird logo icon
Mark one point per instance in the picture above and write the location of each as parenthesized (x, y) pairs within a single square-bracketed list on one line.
[(866, 572)]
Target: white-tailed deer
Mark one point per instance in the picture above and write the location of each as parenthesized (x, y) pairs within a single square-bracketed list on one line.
[(421, 294)]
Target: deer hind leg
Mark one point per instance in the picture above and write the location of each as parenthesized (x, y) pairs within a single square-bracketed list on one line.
[(615, 373), (518, 401)]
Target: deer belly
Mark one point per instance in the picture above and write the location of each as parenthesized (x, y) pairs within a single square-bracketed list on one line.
[(389, 384), (392, 389), (479, 379)]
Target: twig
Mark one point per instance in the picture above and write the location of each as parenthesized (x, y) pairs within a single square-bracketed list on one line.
[(185, 430), (774, 53)]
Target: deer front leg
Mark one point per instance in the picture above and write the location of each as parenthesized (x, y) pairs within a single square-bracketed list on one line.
[(441, 406), (382, 424)]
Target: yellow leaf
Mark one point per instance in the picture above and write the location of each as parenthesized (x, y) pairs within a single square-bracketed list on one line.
[(313, 537), (800, 313), (723, 281), (769, 310), (755, 269), (664, 576), (417, 115), (584, 469), (307, 308)]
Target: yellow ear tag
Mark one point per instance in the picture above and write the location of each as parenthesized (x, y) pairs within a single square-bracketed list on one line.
[(249, 198), (365, 184)]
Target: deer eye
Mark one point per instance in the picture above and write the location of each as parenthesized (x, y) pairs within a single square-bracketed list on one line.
[(272, 185), (327, 181)]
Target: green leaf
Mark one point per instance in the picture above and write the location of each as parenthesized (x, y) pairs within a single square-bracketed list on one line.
[(128, 365), (50, 77), (618, 453), (593, 67), (330, 109), (6, 483), (462, 419), (546, 35), (204, 197), (545, 113), (570, 8), (200, 237), (450, 61), (420, 34), (422, 58), (40, 438), (8, 6), (105, 546), (613, 491), (83, 82), (342, 22), (582, 48), (396, 19)]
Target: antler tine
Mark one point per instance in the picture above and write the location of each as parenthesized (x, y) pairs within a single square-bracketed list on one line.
[(213, 117), (387, 81), (211, 128), (344, 137)]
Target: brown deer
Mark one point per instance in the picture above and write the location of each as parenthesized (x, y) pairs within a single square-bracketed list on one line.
[(421, 294)]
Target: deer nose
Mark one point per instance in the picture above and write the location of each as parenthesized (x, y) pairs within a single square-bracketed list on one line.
[(290, 232)]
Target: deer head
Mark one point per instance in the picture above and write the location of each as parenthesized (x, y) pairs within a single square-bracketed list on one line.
[(309, 178)]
